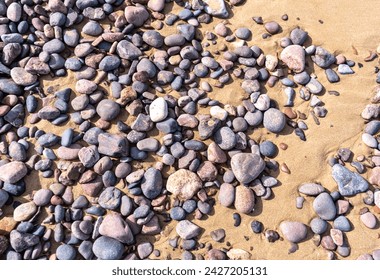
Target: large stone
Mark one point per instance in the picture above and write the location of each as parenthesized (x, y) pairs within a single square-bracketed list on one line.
[(21, 241), (349, 183), (13, 172), (294, 57), (183, 184), (247, 167)]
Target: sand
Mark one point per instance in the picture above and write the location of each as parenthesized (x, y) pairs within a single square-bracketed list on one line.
[(347, 25)]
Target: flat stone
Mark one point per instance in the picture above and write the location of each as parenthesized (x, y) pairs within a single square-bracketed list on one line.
[(293, 231), (349, 183), (247, 167), (312, 189), (24, 211), (183, 184)]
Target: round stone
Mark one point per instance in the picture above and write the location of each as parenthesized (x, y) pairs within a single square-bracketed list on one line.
[(177, 213), (318, 226), (107, 248), (225, 138), (244, 199), (183, 184), (274, 120), (324, 206), (66, 252), (247, 167), (107, 109), (293, 231), (369, 220), (272, 27), (268, 149)]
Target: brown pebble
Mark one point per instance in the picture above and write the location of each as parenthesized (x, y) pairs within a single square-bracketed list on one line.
[(301, 115), (284, 168), (316, 239), (376, 209), (265, 35), (363, 210), (334, 92), (289, 112), (321, 21), (284, 17), (283, 146)]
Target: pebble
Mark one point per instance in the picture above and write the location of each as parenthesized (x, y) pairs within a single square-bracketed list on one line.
[(216, 8), (187, 230), (110, 198), (225, 138), (349, 183), (226, 195), (183, 184), (324, 206), (244, 200), (24, 211), (294, 57), (218, 235), (342, 224), (293, 231), (177, 213), (318, 226), (312, 189), (42, 197), (151, 183), (256, 226), (369, 220), (243, 33), (21, 241), (322, 57), (66, 252), (274, 120), (268, 149), (247, 167), (21, 77), (107, 248), (272, 27), (298, 36), (136, 15), (158, 110), (344, 69), (12, 172), (144, 250), (116, 228)]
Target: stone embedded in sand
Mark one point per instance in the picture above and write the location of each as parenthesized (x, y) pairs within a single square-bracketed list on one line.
[(183, 184), (324, 206), (244, 199), (349, 183), (238, 254), (247, 167), (312, 189), (294, 57), (13, 172), (24, 211), (293, 231), (136, 15), (187, 230), (216, 8)]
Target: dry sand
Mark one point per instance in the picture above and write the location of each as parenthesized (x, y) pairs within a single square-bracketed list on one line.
[(346, 24)]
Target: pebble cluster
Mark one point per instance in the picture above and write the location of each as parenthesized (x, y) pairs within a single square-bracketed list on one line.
[(123, 65)]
